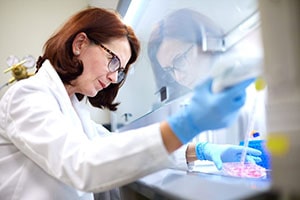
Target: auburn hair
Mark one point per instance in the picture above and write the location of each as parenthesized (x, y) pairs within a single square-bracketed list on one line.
[(99, 25)]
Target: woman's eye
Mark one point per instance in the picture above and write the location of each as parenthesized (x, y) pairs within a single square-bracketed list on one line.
[(179, 62)]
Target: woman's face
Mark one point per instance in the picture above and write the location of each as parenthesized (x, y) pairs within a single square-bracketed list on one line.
[(186, 62), (96, 75)]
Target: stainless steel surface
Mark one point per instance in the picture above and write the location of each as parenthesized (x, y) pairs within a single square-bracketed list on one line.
[(176, 184)]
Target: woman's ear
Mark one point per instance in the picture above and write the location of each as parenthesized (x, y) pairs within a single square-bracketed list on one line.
[(79, 41)]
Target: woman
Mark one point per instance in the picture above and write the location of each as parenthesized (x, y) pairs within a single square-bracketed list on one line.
[(50, 148)]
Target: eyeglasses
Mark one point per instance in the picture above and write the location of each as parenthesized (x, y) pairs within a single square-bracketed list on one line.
[(114, 65), (179, 63)]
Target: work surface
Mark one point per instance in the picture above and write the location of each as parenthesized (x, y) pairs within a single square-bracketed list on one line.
[(198, 184)]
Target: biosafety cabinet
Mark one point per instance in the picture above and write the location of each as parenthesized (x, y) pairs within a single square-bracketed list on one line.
[(183, 43)]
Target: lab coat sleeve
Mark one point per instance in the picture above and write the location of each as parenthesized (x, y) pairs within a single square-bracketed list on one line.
[(179, 159), (101, 130), (50, 138)]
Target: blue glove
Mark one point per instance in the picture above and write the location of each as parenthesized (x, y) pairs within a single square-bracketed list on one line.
[(208, 110), (219, 153)]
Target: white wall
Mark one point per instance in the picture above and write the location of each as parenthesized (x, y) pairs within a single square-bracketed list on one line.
[(26, 25)]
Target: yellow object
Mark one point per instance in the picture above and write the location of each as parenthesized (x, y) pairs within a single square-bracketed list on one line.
[(19, 72), (260, 84), (14, 66), (278, 144)]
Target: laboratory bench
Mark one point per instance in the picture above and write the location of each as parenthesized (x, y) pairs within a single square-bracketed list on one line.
[(174, 184)]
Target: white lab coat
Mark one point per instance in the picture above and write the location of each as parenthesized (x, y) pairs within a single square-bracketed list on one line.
[(50, 149)]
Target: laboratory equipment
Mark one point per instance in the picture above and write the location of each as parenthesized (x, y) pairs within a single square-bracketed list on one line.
[(18, 68), (244, 170), (232, 69), (280, 32), (259, 85)]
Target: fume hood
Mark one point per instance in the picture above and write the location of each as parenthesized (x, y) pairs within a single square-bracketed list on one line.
[(236, 19)]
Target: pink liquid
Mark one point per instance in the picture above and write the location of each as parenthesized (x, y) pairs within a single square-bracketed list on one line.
[(246, 170)]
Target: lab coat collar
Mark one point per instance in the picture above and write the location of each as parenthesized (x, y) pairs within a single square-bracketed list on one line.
[(65, 101), (80, 108), (56, 82)]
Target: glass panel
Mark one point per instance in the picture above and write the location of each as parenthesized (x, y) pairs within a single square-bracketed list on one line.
[(181, 41)]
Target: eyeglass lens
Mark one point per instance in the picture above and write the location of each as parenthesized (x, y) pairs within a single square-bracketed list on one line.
[(114, 65)]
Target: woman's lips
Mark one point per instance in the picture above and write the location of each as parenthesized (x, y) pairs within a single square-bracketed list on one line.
[(103, 85)]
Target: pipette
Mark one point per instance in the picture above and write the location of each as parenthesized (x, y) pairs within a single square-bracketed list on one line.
[(233, 70), (259, 85), (249, 130)]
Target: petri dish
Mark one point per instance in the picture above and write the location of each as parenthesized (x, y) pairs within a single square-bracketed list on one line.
[(246, 170)]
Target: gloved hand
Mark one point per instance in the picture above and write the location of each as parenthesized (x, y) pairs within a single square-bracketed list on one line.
[(207, 110), (219, 153)]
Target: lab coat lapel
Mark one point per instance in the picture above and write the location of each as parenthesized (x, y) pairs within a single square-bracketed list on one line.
[(61, 94)]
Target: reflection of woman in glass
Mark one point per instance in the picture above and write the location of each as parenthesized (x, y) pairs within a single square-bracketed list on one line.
[(180, 50)]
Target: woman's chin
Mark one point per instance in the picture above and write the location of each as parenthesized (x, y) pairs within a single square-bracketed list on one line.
[(92, 93)]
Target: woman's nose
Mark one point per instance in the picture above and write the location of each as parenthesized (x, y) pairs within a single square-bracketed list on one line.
[(113, 76)]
